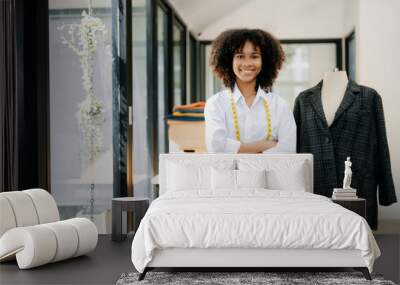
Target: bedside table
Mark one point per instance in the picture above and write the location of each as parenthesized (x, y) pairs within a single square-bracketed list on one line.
[(357, 205), (129, 204)]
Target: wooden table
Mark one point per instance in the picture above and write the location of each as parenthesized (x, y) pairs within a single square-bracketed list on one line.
[(188, 135), (357, 205), (136, 205)]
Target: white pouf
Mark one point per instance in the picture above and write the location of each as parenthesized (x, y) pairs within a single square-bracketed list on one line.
[(31, 232), (7, 218)]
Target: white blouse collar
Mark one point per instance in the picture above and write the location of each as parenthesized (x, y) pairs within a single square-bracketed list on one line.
[(237, 94)]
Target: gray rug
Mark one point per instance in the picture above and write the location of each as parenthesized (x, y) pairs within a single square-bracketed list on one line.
[(228, 278)]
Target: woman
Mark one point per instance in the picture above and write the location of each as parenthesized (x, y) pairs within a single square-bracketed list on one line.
[(246, 118)]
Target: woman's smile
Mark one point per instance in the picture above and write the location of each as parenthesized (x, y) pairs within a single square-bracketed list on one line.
[(248, 71)]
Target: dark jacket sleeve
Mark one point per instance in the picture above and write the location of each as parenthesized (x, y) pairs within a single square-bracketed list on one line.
[(387, 194), (297, 118)]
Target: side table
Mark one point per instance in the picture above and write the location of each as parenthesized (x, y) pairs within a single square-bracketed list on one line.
[(357, 205), (136, 205)]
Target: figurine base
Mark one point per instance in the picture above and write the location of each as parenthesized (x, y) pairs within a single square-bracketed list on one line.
[(344, 194), (350, 190)]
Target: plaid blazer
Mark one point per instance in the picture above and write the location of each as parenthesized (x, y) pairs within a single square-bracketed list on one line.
[(358, 131)]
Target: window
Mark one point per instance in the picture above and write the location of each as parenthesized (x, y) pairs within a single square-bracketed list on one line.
[(168, 64), (162, 72), (179, 63), (193, 70), (304, 67), (212, 83), (76, 179), (141, 151)]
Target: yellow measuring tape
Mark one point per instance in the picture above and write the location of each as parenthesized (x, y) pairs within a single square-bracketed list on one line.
[(236, 121)]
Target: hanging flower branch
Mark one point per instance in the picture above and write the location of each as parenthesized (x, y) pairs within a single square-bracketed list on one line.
[(83, 39)]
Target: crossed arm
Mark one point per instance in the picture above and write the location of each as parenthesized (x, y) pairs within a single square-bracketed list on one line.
[(217, 139)]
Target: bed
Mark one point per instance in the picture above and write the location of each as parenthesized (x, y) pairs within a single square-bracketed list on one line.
[(246, 211)]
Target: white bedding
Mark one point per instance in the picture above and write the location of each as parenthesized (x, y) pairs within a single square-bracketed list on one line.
[(252, 218)]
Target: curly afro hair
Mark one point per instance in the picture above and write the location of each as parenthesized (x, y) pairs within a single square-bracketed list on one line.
[(232, 41)]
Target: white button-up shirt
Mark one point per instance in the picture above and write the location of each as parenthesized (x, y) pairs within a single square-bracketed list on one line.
[(220, 131)]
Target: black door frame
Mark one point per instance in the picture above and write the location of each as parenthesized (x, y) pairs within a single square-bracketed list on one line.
[(348, 39), (122, 97)]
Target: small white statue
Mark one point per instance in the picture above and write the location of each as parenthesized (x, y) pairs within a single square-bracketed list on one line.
[(347, 174)]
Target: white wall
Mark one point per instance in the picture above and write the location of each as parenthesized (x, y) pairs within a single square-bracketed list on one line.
[(378, 63), (350, 16), (286, 19), (351, 21)]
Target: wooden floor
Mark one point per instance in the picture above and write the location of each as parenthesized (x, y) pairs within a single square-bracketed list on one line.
[(103, 266), (111, 259)]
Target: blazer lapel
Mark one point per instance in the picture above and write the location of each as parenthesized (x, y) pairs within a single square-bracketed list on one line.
[(317, 103), (348, 99)]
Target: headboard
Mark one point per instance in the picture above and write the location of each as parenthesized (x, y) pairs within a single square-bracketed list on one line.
[(211, 159)]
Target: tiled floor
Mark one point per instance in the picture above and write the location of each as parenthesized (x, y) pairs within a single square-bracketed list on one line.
[(110, 260)]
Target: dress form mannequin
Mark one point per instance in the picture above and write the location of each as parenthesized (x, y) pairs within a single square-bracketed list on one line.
[(333, 89)]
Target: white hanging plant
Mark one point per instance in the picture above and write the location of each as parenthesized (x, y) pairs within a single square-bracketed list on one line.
[(83, 39)]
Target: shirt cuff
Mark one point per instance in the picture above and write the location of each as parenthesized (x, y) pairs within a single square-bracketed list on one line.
[(232, 146), (271, 150), (279, 148)]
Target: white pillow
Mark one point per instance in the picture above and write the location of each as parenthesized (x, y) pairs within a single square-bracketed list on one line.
[(292, 178), (223, 179), (183, 177), (188, 174), (281, 174), (251, 178), (228, 179)]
